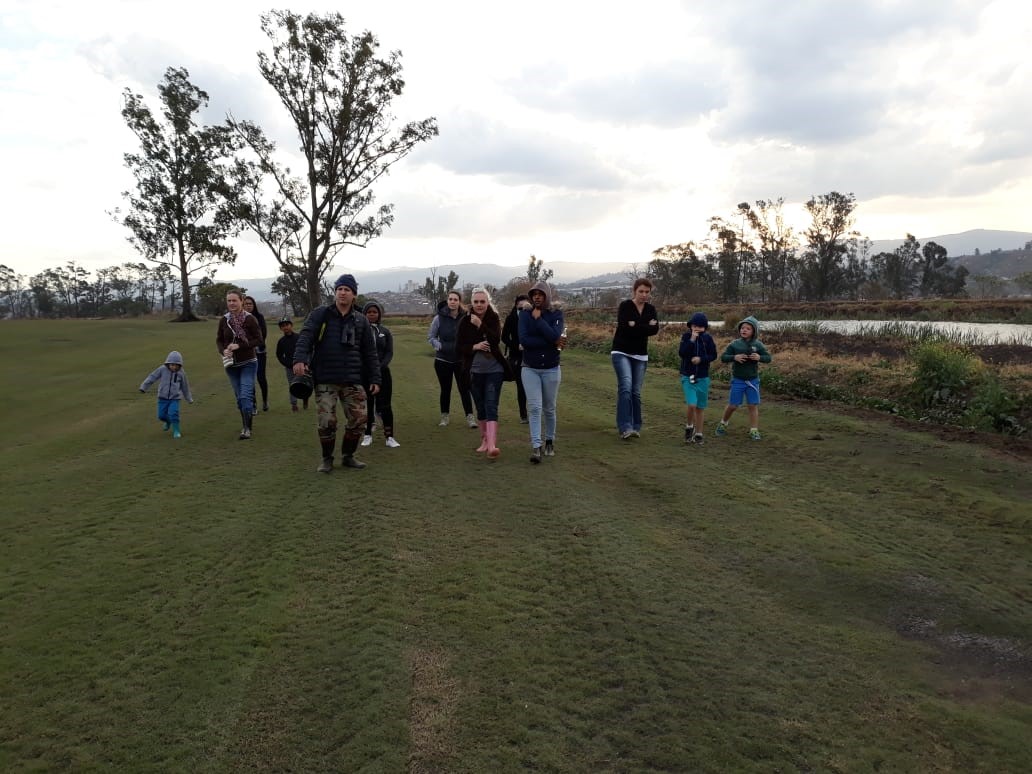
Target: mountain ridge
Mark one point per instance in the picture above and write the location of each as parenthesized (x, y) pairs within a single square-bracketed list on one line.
[(960, 245)]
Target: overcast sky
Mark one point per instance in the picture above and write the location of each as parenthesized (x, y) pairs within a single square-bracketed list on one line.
[(576, 131)]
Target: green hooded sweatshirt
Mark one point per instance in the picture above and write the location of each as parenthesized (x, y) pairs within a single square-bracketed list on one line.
[(742, 346)]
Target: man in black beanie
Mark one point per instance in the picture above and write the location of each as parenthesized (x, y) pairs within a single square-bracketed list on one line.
[(336, 343)]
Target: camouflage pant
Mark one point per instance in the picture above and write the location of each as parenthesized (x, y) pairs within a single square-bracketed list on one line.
[(352, 399)]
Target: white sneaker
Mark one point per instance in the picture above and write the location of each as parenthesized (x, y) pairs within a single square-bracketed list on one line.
[(472, 421), (444, 421), (367, 440), (392, 444)]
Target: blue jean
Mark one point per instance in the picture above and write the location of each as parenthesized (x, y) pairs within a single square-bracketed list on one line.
[(242, 379), (168, 410), (542, 386), (486, 390), (630, 376)]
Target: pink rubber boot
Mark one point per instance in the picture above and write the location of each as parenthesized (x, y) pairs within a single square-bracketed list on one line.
[(483, 437)]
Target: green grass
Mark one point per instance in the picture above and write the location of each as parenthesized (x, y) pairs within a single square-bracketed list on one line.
[(843, 596)]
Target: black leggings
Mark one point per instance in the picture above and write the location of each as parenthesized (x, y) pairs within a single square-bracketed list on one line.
[(521, 392), (381, 404), (445, 373), (263, 383)]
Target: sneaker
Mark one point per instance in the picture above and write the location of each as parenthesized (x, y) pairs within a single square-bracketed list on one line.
[(535, 455), (721, 429), (348, 461), (392, 444), (265, 407), (166, 425), (254, 411), (754, 434), (636, 433), (549, 449), (689, 433), (698, 439), (627, 434), (524, 421), (471, 421), (444, 421), (367, 440), (245, 434), (326, 466)]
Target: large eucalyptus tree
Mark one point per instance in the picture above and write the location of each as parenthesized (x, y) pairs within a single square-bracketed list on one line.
[(337, 91), (177, 213)]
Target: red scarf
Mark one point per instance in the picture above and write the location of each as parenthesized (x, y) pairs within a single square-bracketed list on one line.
[(236, 324)]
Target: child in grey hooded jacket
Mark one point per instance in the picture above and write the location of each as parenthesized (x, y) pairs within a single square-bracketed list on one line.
[(173, 386)]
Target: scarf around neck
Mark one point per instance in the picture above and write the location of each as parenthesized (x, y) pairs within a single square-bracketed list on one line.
[(236, 323)]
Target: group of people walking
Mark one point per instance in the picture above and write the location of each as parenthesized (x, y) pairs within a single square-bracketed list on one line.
[(468, 352), (344, 356)]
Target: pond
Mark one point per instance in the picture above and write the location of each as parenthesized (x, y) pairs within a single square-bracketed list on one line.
[(980, 333)]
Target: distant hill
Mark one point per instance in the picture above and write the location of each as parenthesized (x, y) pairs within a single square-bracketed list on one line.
[(965, 243), (1001, 254), (395, 280), (1007, 264)]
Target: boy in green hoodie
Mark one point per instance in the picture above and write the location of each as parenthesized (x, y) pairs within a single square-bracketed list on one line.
[(745, 354)]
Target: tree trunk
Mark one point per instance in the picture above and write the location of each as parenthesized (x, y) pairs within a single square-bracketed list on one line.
[(187, 314), (313, 286)]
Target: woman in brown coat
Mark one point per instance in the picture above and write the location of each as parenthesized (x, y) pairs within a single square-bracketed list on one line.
[(237, 339)]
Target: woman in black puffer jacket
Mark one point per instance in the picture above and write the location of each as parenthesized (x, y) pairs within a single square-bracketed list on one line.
[(443, 331)]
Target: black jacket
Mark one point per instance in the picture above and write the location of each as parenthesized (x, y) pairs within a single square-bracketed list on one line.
[(339, 348), (285, 350)]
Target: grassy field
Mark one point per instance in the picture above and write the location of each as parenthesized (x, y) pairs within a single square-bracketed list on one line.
[(844, 595)]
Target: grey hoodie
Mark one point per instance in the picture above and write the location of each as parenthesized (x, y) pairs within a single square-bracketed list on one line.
[(172, 385)]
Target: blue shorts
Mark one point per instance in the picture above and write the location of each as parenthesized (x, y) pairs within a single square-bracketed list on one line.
[(696, 394), (750, 389)]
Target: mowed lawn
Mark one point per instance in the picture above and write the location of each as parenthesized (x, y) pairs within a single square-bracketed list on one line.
[(844, 595)]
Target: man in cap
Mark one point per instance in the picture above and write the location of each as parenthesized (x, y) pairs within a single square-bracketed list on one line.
[(336, 342)]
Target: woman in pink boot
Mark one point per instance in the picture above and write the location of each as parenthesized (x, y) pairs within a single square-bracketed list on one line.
[(483, 366)]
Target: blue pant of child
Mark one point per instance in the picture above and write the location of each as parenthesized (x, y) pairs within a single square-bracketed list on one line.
[(168, 410)]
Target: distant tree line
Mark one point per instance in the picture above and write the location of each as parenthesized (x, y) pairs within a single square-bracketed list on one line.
[(72, 291), (754, 256)]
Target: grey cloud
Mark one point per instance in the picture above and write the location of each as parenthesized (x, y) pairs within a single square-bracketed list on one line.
[(1004, 120), (140, 62), (420, 217), (677, 93), (809, 73), (469, 145), (806, 114), (887, 164)]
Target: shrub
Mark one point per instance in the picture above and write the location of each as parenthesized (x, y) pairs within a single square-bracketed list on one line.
[(952, 385), (944, 373), (992, 408)]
